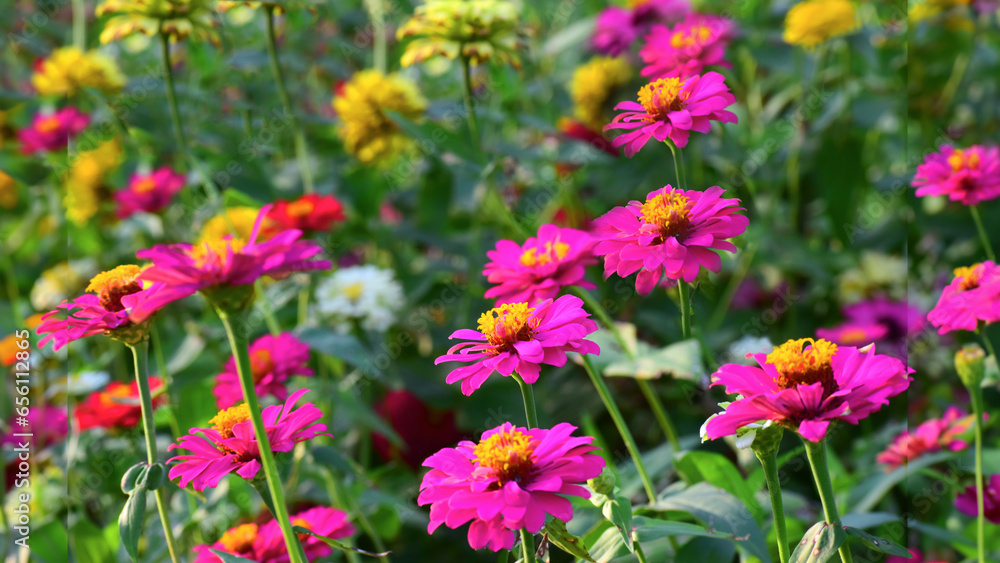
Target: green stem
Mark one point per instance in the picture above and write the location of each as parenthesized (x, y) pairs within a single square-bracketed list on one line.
[(238, 343), (616, 416), (366, 525), (976, 392), (983, 236), (530, 413), (769, 462), (678, 164), (527, 547), (639, 553), (503, 556), (376, 12), (175, 112), (659, 411), (816, 453), (684, 293), (79, 25), (301, 149), (470, 108), (161, 367), (140, 359)]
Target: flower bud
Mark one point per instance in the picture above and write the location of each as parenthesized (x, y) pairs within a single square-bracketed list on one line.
[(603, 484), (970, 363), (134, 477), (767, 440)]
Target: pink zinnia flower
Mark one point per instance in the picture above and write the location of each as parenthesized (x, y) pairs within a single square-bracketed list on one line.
[(931, 436), (966, 501), (52, 131), (512, 479), (675, 232), (613, 32), (805, 388), (658, 11), (879, 320), (184, 269), (518, 338), (229, 446), (970, 175), (539, 268), (47, 425), (273, 360), (672, 108), (853, 334), (149, 192), (973, 296), (264, 543), (117, 293), (687, 48)]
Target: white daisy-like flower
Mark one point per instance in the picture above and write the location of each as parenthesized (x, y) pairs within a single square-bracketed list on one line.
[(739, 349), (61, 282), (79, 383), (367, 295)]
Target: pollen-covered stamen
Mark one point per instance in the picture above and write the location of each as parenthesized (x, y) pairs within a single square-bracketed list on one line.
[(144, 185), (969, 275), (797, 364), (668, 210), (215, 250), (114, 284), (508, 454), (507, 324), (662, 96), (963, 159), (224, 421), (540, 256), (300, 208), (48, 124), (114, 398), (240, 539), (695, 35), (261, 364)]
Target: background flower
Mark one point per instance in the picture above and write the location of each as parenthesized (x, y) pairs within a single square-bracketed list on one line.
[(366, 130), (366, 295)]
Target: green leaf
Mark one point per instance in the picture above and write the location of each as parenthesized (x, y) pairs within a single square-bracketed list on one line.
[(819, 544), (652, 529), (334, 543), (229, 557), (679, 359), (131, 520), (434, 138), (558, 535), (706, 549), (343, 346), (49, 543), (236, 198), (606, 547), (714, 468), (878, 543), (868, 493), (618, 511)]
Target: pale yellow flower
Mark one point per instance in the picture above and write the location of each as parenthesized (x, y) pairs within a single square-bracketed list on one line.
[(177, 19), (69, 69), (366, 130), (813, 22), (237, 221), (479, 30), (87, 174), (593, 85)]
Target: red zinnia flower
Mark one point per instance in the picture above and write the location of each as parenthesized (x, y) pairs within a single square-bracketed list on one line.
[(117, 406), (310, 212)]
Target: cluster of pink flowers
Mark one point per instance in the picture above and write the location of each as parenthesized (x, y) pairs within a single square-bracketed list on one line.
[(273, 360), (687, 48), (263, 542), (52, 131), (931, 436), (970, 176), (617, 28), (973, 296)]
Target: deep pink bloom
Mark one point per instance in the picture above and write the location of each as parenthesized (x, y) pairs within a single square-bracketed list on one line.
[(879, 320), (674, 233), (672, 108), (273, 360), (970, 175), (52, 131), (853, 334), (805, 388), (542, 266), (47, 425), (931, 436), (149, 192), (966, 501), (512, 479), (614, 31), (518, 338), (973, 296), (645, 12), (185, 269), (687, 48), (230, 446), (265, 544)]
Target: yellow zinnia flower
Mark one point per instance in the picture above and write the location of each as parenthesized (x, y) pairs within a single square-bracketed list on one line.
[(177, 18), (367, 132), (237, 221), (592, 86), (476, 29), (69, 69), (813, 22), (8, 191), (87, 174)]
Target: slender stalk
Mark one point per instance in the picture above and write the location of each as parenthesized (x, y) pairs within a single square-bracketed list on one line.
[(161, 367), (684, 292), (659, 411), (175, 112), (769, 462), (816, 452), (470, 108), (140, 359), (301, 149), (530, 413), (976, 393), (983, 236), (527, 547), (616, 416), (376, 12), (639, 553), (678, 164), (79, 25), (238, 343)]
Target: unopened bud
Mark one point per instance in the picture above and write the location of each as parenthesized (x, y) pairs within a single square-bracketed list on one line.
[(603, 484), (970, 363)]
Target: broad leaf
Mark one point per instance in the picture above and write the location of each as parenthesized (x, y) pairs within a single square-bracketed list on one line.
[(334, 543), (131, 520), (819, 544), (866, 495), (618, 511), (229, 557), (561, 538), (879, 544), (714, 468), (607, 545)]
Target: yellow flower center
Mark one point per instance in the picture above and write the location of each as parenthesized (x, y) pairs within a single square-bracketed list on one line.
[(261, 364), (301, 522), (508, 454), (211, 249), (662, 96), (969, 275), (240, 539), (224, 421), (695, 35), (854, 336), (112, 398), (354, 291), (48, 124), (636, 3), (668, 210), (797, 365), (300, 208), (144, 185), (114, 284), (962, 159), (552, 253), (507, 324)]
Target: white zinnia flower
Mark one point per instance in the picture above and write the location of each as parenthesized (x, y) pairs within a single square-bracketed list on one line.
[(366, 294)]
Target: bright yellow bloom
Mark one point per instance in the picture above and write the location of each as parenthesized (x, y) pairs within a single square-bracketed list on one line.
[(593, 85), (813, 22), (476, 29), (368, 133), (69, 69), (238, 221), (177, 18), (8, 191), (87, 174)]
